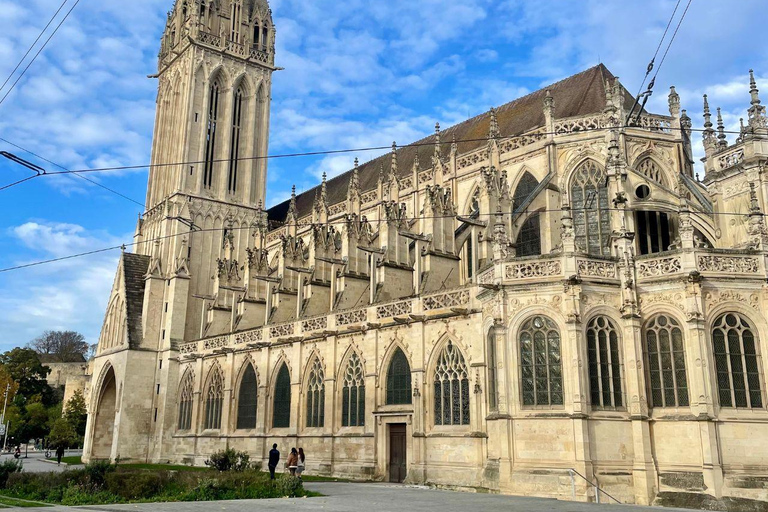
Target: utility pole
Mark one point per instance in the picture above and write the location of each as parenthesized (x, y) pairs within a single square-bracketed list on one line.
[(2, 418)]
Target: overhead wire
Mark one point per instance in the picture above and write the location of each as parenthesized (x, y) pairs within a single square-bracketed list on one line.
[(10, 89)]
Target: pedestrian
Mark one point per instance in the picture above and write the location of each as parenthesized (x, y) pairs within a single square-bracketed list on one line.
[(274, 458), (293, 461), (300, 465), (59, 454)]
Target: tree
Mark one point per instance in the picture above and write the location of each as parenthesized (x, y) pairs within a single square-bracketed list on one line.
[(25, 368), (75, 413), (62, 434), (62, 346)]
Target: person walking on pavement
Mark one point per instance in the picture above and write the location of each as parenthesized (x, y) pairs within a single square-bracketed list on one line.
[(59, 454), (274, 458), (300, 465), (293, 461)]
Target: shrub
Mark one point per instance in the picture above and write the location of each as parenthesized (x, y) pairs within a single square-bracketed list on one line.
[(136, 485), (290, 486), (229, 460), (7, 468), (96, 472)]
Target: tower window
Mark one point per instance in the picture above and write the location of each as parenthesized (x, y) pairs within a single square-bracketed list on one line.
[(591, 216), (264, 38), (210, 136), (234, 152)]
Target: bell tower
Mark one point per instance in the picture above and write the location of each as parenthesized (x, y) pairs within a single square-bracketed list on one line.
[(215, 75)]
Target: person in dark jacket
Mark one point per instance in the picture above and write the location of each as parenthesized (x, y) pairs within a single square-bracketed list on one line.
[(274, 458), (59, 454)]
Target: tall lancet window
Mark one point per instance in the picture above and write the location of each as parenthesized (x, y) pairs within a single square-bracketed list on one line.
[(236, 20), (264, 37), (591, 217), (234, 152), (210, 134)]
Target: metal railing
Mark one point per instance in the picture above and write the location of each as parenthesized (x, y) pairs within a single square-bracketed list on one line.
[(594, 485)]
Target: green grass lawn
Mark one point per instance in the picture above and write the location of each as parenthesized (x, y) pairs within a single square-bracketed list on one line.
[(73, 460), (164, 467), (6, 502)]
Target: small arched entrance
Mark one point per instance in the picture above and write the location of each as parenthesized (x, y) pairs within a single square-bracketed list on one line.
[(104, 423)]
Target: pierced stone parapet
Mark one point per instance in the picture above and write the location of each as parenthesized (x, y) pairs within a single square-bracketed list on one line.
[(728, 264), (532, 269), (254, 336), (351, 317), (394, 309), (446, 300), (214, 343), (281, 330), (315, 324), (731, 159), (592, 268), (659, 266), (188, 348)]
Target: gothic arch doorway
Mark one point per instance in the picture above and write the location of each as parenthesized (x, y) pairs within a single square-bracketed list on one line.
[(104, 422)]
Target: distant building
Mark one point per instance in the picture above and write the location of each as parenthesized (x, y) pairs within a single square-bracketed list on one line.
[(66, 376), (542, 291)]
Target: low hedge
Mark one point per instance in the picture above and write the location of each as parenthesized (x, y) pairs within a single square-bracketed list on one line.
[(101, 483)]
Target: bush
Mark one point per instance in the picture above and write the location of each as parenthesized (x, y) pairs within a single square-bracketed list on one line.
[(97, 472), (136, 485), (229, 460), (289, 486), (7, 468)]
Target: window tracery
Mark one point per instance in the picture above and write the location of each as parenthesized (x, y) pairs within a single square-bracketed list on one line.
[(247, 399), (281, 404), (591, 216), (528, 241), (737, 362), (234, 152), (541, 366), (650, 170), (186, 400), (451, 388), (666, 362), (493, 400), (353, 393), (316, 395), (214, 400), (525, 187), (399, 379), (604, 363), (210, 134)]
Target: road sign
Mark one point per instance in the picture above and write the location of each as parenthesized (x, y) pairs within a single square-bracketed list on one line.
[(2, 429)]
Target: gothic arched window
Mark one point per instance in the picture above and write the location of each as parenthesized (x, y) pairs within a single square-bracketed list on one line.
[(528, 241), (234, 151), (247, 399), (493, 400), (451, 385), (525, 188), (591, 216), (186, 400), (737, 362), (604, 363), (399, 379), (541, 367), (210, 134), (214, 400), (650, 170), (353, 393), (281, 405), (666, 362), (316, 395)]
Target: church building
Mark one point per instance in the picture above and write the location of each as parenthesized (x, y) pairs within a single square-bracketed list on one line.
[(545, 299)]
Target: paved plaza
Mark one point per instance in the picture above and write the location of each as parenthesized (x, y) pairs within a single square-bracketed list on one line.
[(354, 497)]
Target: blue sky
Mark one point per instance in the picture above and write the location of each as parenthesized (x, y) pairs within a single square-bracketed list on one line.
[(358, 73)]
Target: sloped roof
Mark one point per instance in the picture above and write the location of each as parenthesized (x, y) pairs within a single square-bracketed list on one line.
[(578, 95), (135, 267)]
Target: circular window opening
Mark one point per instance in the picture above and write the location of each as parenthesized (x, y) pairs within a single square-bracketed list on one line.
[(643, 192)]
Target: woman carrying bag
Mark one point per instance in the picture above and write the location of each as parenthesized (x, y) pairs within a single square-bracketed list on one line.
[(300, 465), (293, 461)]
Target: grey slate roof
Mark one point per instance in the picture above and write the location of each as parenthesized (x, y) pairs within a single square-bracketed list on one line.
[(578, 95), (135, 267)]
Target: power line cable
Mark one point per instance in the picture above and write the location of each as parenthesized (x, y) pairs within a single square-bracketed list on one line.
[(39, 51), (672, 40), (29, 50), (377, 221), (75, 174)]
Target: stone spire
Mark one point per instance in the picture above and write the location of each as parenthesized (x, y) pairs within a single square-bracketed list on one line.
[(436, 157), (674, 102), (493, 132), (321, 202), (394, 159), (710, 142), (722, 140), (757, 115), (292, 217)]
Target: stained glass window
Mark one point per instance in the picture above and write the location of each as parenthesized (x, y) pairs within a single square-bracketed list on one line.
[(604, 364), (186, 399), (666, 362), (234, 151), (214, 399), (247, 399), (737, 362), (541, 367), (353, 393), (399, 379), (525, 188), (451, 385), (591, 216), (316, 395), (281, 409), (529, 238)]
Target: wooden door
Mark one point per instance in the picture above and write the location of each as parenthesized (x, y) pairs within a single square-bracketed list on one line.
[(397, 453)]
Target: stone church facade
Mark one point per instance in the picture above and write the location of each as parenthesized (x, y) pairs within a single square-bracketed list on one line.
[(540, 297)]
